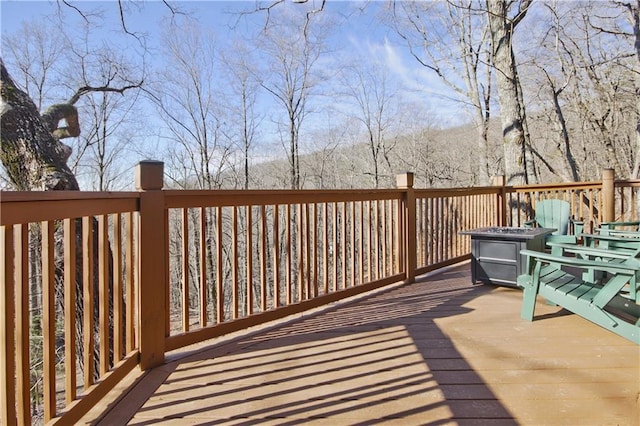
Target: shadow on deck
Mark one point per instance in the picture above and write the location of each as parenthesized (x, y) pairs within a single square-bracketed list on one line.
[(440, 351)]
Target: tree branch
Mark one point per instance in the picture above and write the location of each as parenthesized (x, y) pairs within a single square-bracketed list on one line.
[(66, 3), (311, 13), (522, 12), (87, 89)]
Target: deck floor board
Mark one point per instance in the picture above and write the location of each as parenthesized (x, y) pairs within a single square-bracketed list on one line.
[(440, 351)]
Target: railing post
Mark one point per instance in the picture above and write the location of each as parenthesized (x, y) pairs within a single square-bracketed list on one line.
[(501, 202), (405, 182), (8, 331), (152, 291), (608, 195)]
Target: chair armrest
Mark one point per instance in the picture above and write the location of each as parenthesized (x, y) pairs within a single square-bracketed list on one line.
[(629, 266), (613, 225), (582, 251), (618, 233), (578, 226), (630, 242)]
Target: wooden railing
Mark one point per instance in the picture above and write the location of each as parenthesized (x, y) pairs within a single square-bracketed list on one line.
[(97, 284), (591, 202), (67, 301), (442, 214), (239, 258)]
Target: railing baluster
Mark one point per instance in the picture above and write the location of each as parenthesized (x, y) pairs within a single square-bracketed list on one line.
[(325, 223), (383, 239), (419, 231), (438, 219), (621, 197), (369, 241), (394, 239), (129, 280), (48, 320), (88, 355), (185, 269), (334, 208), (104, 296), (446, 228), (352, 243), (7, 322), (343, 243), (361, 257), (449, 242), (307, 249), (289, 261), (316, 248), (70, 310), (432, 232), (249, 259), (263, 259), (203, 267), (299, 252), (455, 227), (376, 240), (462, 243), (276, 257), (22, 323), (118, 291), (234, 262), (219, 268)]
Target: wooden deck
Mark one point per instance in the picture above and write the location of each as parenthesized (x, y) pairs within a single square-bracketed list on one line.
[(437, 352)]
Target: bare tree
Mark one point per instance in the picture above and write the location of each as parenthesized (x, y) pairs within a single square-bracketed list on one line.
[(242, 93), (324, 166), (451, 40), (634, 17), (370, 97), (612, 24), (190, 104), (504, 17), (35, 53), (110, 118), (51, 63), (553, 75), (291, 46)]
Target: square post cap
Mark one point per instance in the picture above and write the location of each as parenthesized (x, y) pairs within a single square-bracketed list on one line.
[(404, 180), (149, 175)]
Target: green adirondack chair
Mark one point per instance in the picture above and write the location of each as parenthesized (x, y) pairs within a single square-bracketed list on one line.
[(606, 303), (554, 213)]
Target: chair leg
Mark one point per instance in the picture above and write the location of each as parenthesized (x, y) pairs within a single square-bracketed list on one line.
[(529, 301)]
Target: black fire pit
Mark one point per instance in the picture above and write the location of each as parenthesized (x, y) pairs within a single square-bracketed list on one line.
[(495, 252)]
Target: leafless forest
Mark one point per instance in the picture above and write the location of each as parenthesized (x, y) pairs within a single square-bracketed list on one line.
[(279, 103)]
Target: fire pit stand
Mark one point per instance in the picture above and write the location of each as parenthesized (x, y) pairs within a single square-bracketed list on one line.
[(495, 252)]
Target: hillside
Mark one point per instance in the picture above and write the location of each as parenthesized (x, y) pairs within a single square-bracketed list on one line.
[(438, 157)]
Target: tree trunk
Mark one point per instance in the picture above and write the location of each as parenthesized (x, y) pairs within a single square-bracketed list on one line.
[(33, 157), (35, 160), (482, 117), (511, 109)]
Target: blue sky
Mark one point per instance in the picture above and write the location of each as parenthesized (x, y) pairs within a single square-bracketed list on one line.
[(360, 31)]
